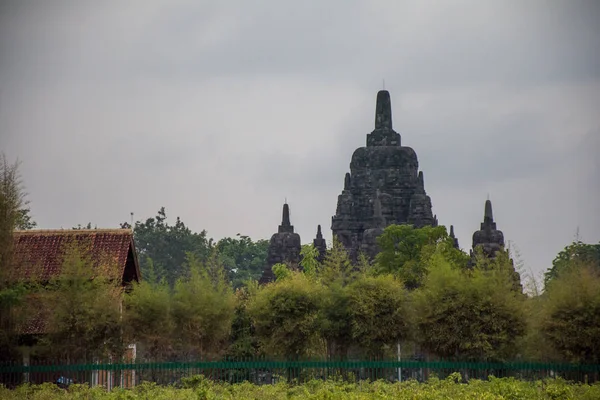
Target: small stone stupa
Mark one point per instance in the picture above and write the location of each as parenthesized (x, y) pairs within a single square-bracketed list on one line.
[(284, 247)]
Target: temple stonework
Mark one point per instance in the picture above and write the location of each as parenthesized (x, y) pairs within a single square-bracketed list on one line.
[(491, 241), (488, 237), (320, 244), (284, 247), (369, 246), (384, 187), (386, 167), (454, 239)]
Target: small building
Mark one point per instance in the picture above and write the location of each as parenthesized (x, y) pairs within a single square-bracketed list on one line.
[(38, 256)]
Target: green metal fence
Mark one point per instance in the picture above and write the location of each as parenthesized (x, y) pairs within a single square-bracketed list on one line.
[(267, 372)]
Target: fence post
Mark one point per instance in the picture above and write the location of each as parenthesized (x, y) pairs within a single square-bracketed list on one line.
[(399, 358), (26, 362)]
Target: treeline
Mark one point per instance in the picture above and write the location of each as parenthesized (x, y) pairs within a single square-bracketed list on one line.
[(447, 310), (164, 248), (198, 299), (451, 310)]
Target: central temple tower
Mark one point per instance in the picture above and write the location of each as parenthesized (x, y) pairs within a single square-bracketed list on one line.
[(382, 174)]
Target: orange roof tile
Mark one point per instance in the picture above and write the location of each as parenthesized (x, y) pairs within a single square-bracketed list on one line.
[(39, 254)]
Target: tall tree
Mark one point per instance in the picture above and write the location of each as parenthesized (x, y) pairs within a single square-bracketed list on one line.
[(405, 251), (472, 315), (203, 309), (243, 342), (570, 313), (14, 214), (379, 311), (337, 266), (84, 319), (168, 245), (148, 320), (25, 220), (336, 273), (286, 317), (242, 258), (12, 202), (574, 255)]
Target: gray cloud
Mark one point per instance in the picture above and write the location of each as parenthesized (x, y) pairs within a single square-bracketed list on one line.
[(221, 110)]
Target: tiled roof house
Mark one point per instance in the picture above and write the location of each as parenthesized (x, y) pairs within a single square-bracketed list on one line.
[(38, 255)]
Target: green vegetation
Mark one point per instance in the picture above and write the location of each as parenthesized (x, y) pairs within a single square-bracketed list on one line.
[(200, 388), (14, 214), (575, 255), (164, 248), (468, 315), (80, 308), (570, 315), (200, 300)]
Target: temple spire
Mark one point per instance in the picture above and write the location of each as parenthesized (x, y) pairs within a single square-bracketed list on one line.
[(383, 110), (347, 181), (320, 244), (454, 239), (285, 221), (286, 225), (420, 189), (488, 215)]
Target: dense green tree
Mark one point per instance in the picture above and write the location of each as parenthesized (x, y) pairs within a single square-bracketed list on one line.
[(309, 260), (168, 245), (14, 214), (500, 262), (286, 317), (243, 341), (242, 258), (147, 319), (336, 320), (281, 271), (379, 313), (405, 251), (575, 254), (82, 307), (24, 219), (570, 313), (336, 274), (12, 202), (337, 266), (203, 309), (473, 315)]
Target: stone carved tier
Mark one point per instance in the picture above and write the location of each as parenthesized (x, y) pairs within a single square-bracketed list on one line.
[(382, 165), (454, 239), (284, 247), (488, 237), (369, 245), (320, 244), (491, 240)]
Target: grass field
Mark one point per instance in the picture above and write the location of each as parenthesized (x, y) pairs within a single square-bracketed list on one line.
[(200, 388)]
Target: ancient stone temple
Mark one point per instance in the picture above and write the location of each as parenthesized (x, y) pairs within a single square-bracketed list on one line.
[(453, 237), (284, 247), (386, 167), (491, 241), (369, 246), (488, 237), (320, 244)]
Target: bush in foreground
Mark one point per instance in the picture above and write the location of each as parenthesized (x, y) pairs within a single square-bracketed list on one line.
[(201, 388)]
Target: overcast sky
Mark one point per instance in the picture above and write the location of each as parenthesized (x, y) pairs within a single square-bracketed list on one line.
[(221, 110)]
